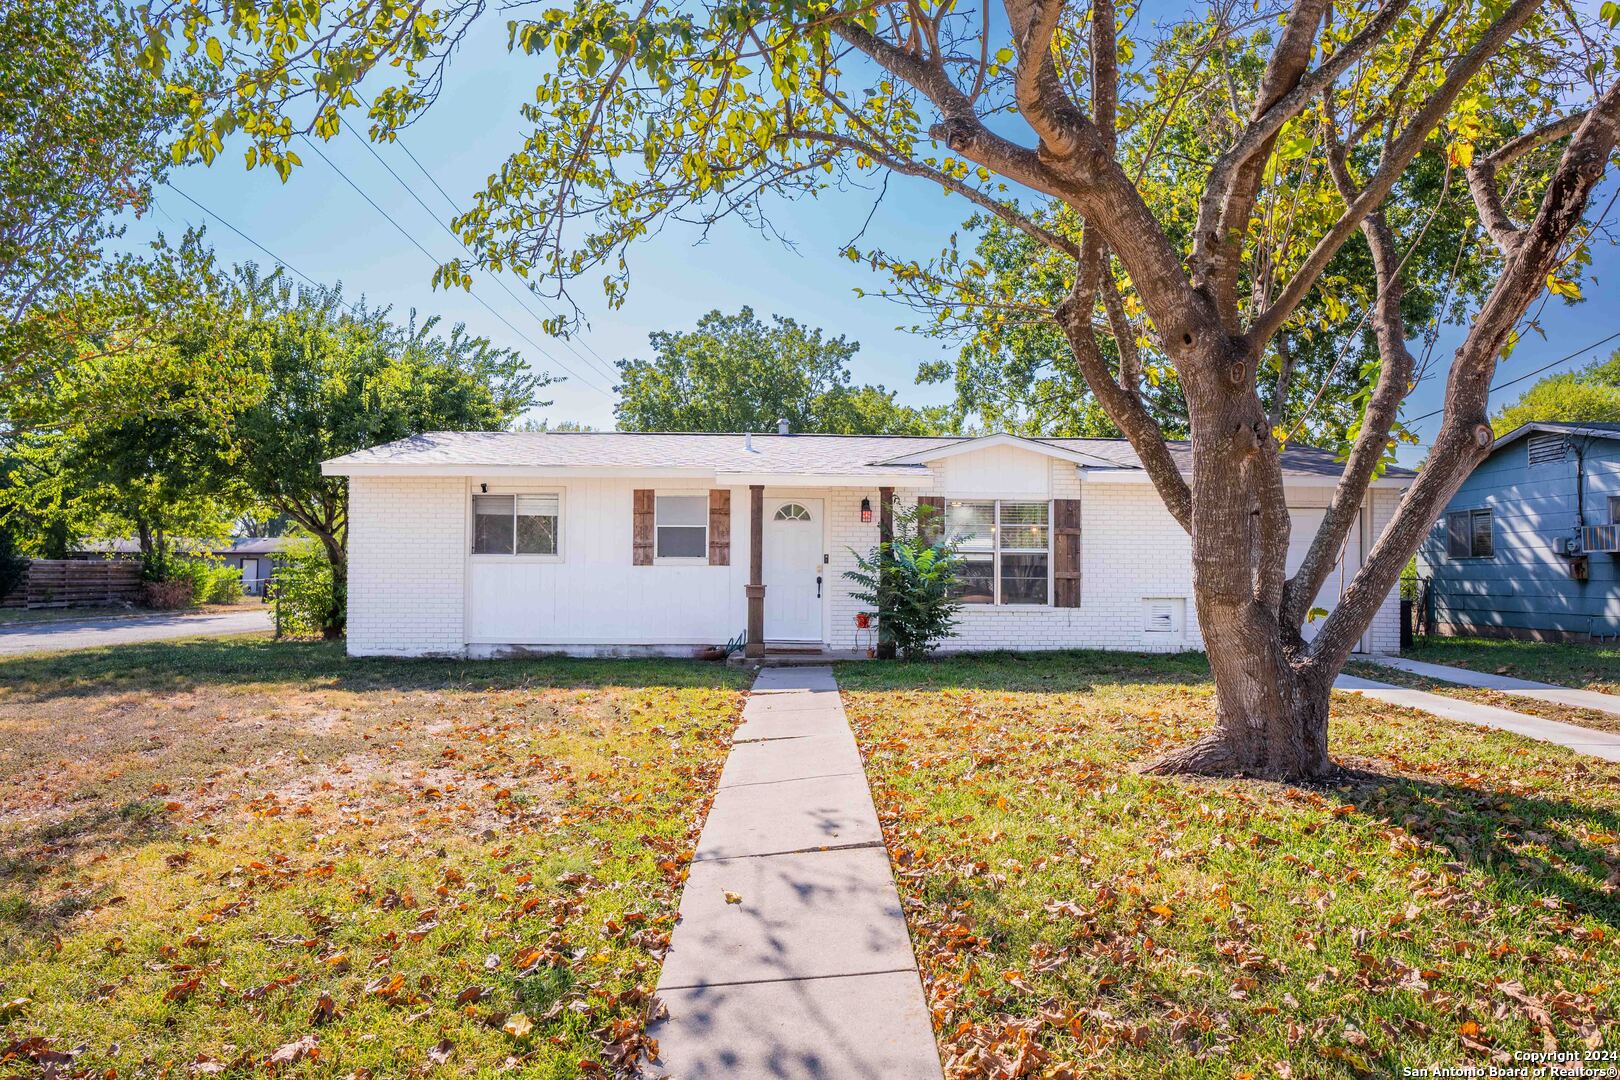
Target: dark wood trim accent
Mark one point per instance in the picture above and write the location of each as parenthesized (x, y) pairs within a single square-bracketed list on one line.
[(932, 522), (1066, 553), (885, 646), (720, 527), (642, 509), (756, 571)]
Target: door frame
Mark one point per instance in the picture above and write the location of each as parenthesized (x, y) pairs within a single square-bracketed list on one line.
[(774, 503)]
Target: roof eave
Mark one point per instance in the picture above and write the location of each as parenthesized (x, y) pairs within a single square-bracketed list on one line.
[(1122, 475)]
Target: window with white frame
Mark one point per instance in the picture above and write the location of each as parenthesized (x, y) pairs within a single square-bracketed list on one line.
[(516, 524), (1005, 547), (681, 526)]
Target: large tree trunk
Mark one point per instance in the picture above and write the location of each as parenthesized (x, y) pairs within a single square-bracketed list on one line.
[(1271, 717), (336, 621), (1271, 701)]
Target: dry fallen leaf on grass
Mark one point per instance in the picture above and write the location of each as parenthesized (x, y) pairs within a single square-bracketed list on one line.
[(297, 1050), (518, 1026)]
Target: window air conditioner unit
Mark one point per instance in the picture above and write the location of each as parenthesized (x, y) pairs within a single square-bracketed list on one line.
[(1600, 538)]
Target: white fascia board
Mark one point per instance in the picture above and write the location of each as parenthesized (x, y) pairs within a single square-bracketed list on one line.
[(871, 478), (338, 468), (1140, 477), (987, 442)]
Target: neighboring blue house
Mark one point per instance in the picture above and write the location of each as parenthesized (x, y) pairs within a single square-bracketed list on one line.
[(1530, 545)]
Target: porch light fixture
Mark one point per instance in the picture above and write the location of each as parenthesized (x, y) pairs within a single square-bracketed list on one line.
[(866, 511)]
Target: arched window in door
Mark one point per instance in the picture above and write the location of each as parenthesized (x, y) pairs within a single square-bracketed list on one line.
[(792, 512)]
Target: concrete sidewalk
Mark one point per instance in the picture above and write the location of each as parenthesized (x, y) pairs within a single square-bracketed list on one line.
[(1585, 740), (791, 957), (1558, 695)]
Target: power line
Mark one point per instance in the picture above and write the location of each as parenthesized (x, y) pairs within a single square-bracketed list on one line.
[(452, 234), (604, 363), (272, 256), (437, 263), (1529, 374)]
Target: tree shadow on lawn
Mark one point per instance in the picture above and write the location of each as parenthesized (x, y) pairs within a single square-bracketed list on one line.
[(1533, 846), (30, 854), (184, 665)]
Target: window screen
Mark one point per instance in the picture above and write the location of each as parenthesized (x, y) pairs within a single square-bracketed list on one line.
[(682, 526), (537, 524), (492, 524), (516, 524), (1457, 542), (1469, 535), (1483, 543)]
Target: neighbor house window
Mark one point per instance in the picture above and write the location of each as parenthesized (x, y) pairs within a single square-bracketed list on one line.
[(1005, 550), (516, 524), (681, 526), (1469, 535), (1614, 509)]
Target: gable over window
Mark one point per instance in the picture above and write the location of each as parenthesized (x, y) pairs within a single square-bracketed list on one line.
[(1470, 534)]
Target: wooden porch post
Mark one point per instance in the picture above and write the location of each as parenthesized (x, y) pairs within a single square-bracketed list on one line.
[(755, 590), (885, 644)]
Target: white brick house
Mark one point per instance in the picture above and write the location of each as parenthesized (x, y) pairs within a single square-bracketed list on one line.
[(607, 543)]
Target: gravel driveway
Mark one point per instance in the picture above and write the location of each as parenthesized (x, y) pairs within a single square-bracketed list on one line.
[(92, 633)]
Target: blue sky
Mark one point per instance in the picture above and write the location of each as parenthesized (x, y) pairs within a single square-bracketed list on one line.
[(317, 223)]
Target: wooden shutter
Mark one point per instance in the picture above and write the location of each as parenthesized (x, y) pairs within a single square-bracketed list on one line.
[(1066, 552), (719, 527), (641, 544), (933, 523)]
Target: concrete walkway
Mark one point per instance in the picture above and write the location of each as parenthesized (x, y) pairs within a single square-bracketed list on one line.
[(1558, 695), (61, 635), (791, 958), (1585, 740)]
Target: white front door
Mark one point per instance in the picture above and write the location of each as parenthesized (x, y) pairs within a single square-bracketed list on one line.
[(793, 569)]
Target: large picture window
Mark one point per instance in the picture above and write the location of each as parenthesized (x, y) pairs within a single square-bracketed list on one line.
[(1469, 535), (1005, 548), (681, 526), (516, 524)]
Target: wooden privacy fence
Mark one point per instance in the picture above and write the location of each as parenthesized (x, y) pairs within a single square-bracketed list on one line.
[(59, 583)]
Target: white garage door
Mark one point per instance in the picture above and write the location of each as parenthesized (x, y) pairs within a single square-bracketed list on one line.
[(1305, 524)]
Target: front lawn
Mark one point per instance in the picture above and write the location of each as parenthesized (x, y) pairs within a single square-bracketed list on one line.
[(1452, 903), (232, 855), (1585, 667)]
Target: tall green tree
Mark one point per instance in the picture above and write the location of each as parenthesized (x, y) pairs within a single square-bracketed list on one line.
[(1274, 134), (740, 373), (84, 135), (1591, 394), (326, 379), (120, 435)]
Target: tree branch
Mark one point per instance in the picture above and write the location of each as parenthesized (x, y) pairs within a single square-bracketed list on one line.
[(1123, 407), (973, 195), (1229, 191), (1397, 157), (1465, 437), (1482, 177)]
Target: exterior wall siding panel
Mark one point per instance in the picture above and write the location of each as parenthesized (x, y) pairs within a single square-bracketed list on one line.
[(416, 588)]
